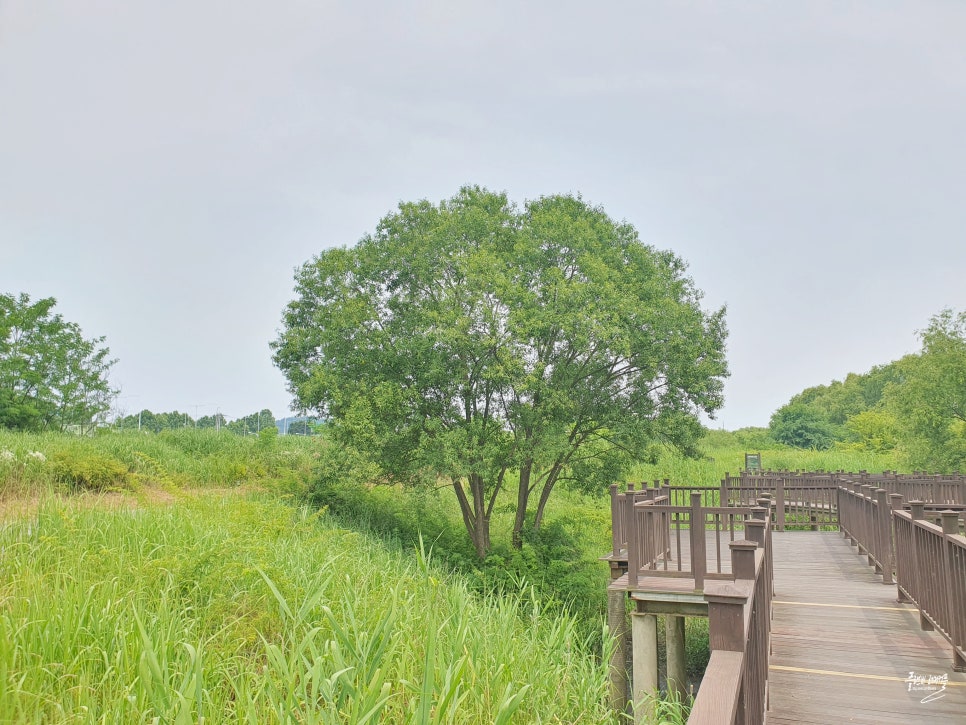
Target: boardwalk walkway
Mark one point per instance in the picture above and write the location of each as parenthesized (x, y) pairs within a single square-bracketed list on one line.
[(843, 648)]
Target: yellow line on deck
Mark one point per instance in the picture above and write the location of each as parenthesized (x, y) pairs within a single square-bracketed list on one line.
[(847, 606), (807, 671)]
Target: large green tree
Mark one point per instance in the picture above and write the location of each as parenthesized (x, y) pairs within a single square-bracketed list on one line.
[(493, 346), (51, 377), (796, 424), (930, 402)]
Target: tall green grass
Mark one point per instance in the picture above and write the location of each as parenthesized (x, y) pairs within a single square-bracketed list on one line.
[(241, 609), (717, 460), (31, 462)]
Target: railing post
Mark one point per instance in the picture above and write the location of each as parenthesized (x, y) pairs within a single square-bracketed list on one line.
[(918, 513), (616, 532), (895, 501), (867, 525), (755, 530), (699, 562), (780, 503), (743, 559), (726, 621), (957, 621), (631, 535), (884, 527)]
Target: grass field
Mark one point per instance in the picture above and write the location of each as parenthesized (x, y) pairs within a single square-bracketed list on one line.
[(175, 578), (31, 464), (243, 609)]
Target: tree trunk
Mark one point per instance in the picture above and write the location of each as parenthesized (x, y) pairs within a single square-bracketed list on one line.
[(475, 519), (523, 496), (548, 485)]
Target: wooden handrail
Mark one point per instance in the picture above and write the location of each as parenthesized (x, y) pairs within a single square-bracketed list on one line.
[(927, 559), (734, 688), (720, 690)]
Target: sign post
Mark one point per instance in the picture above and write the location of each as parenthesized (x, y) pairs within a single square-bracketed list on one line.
[(753, 462)]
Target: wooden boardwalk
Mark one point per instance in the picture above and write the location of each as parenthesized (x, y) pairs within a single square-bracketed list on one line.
[(843, 648)]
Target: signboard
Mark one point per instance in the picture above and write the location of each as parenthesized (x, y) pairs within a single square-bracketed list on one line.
[(753, 461)]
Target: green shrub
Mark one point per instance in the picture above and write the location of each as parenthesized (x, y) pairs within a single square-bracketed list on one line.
[(86, 469)]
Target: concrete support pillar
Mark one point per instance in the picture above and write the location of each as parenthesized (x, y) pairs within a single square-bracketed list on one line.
[(677, 675), (644, 643), (617, 624)]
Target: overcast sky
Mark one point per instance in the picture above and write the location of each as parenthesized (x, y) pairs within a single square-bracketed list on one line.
[(165, 166)]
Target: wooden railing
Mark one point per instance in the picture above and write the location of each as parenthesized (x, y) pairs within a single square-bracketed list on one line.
[(928, 560), (865, 517), (622, 516), (735, 684), (681, 531), (802, 500), (655, 539), (931, 573)]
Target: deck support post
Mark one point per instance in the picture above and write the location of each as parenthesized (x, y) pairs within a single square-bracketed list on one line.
[(644, 643), (677, 674), (617, 624)]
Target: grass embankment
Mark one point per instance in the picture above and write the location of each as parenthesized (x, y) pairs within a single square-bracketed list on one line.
[(246, 610), (35, 465)]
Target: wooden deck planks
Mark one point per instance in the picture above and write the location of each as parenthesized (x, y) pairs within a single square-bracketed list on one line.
[(849, 664)]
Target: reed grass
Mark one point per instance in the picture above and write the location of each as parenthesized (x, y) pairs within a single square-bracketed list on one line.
[(241, 609), (127, 460)]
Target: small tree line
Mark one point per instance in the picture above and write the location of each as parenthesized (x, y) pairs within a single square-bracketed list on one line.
[(916, 405)]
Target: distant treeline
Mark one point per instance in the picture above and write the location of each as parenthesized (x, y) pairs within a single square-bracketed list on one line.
[(915, 405), (252, 424)]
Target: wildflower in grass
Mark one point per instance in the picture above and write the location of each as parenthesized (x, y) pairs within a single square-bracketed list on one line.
[(37, 456), (7, 456)]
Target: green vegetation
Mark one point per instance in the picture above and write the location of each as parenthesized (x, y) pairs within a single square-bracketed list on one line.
[(50, 462), (723, 452), (51, 377), (253, 423), (146, 421), (163, 611), (246, 610), (930, 405), (502, 348), (914, 407)]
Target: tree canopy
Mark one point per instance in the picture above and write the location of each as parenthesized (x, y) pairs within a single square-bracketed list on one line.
[(852, 411), (493, 346), (51, 377), (916, 405), (930, 405)]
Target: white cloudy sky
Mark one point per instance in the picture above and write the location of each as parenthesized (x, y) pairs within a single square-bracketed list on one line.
[(164, 166)]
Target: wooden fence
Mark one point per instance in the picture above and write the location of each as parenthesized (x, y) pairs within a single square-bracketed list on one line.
[(926, 560), (735, 684), (931, 573), (720, 537), (652, 538)]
